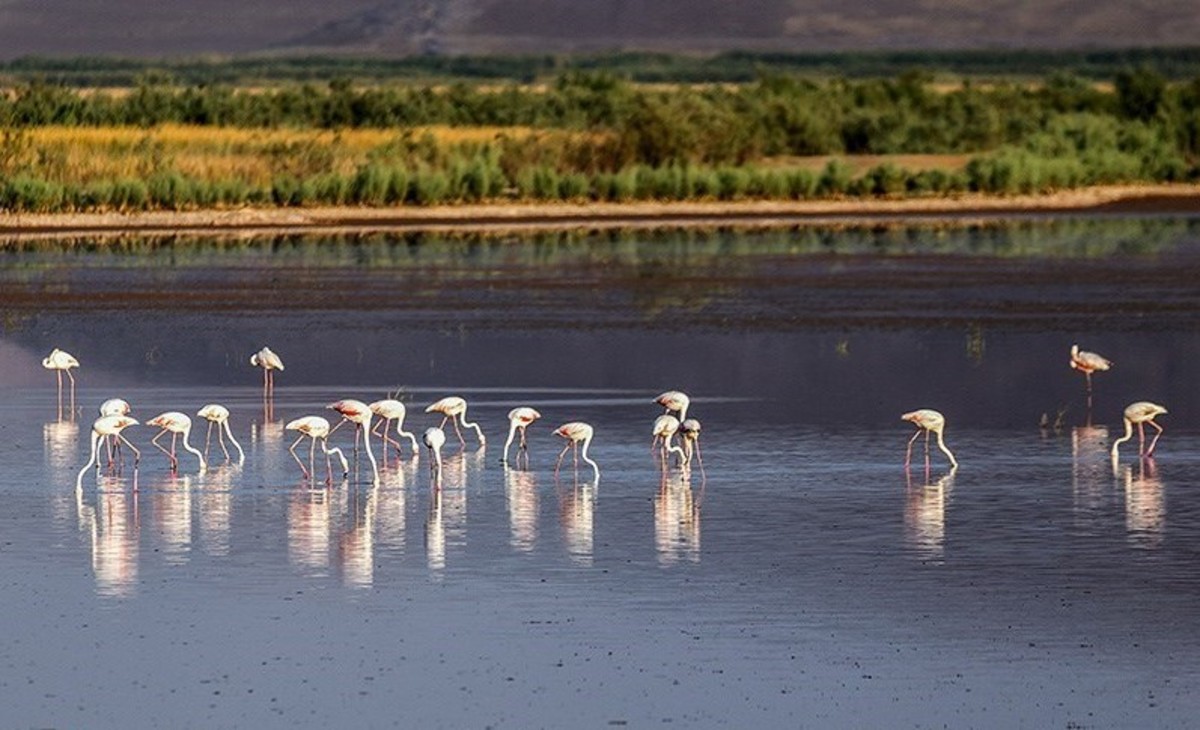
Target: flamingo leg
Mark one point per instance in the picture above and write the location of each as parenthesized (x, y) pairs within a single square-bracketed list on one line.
[(72, 377), (328, 462), (58, 373), (908, 454), (137, 455), (458, 432), (208, 438), (312, 455), (1154, 442), (561, 454), (292, 451), (163, 448), (1141, 439), (221, 441)]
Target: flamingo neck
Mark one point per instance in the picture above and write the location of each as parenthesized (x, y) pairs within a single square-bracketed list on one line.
[(1128, 435), (588, 442), (462, 417), (194, 450), (91, 457), (946, 451), (512, 431), (236, 445)]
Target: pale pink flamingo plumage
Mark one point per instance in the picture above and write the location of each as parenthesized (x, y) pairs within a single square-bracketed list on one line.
[(102, 428), (927, 421), (177, 424), (518, 420), (576, 433), (1140, 413), (452, 407)]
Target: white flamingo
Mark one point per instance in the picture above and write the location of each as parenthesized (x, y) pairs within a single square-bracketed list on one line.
[(1141, 413), (927, 420), (434, 439), (674, 400), (665, 428), (218, 415), (577, 432), (518, 420), (269, 362), (451, 407), (102, 428), (358, 413), (176, 423), (315, 428), (61, 361), (689, 432), (390, 410)]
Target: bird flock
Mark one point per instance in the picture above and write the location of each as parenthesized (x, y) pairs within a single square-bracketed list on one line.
[(107, 430)]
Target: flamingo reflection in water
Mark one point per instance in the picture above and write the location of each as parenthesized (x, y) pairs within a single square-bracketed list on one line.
[(927, 421), (676, 521), (1145, 505), (114, 527), (316, 428), (308, 530), (925, 514), (357, 544), (577, 515), (521, 499)]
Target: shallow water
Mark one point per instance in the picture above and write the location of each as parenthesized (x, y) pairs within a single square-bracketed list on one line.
[(802, 578)]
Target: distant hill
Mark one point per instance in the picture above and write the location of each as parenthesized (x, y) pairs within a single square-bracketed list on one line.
[(175, 28)]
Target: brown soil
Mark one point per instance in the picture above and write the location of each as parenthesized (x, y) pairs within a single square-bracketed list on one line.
[(502, 218)]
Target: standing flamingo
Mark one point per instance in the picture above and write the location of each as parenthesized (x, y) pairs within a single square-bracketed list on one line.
[(315, 427), (674, 400), (927, 420), (358, 413), (435, 438), (102, 428), (665, 428), (269, 362), (62, 361), (390, 410), (218, 415), (177, 423), (575, 432), (453, 406), (1088, 363), (518, 420), (1141, 413), (689, 431)]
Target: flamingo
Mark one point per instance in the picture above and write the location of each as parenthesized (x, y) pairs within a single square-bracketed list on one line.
[(674, 400), (1141, 413), (218, 415), (434, 439), (268, 361), (575, 432), (114, 407), (390, 410), (927, 420), (689, 431), (177, 423), (315, 427), (358, 413), (665, 428), (518, 420), (451, 407), (62, 361), (1088, 363), (102, 428)]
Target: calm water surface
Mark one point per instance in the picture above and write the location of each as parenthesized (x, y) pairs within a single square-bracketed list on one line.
[(801, 578)]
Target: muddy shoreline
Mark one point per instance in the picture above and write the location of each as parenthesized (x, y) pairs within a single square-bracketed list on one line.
[(508, 218)]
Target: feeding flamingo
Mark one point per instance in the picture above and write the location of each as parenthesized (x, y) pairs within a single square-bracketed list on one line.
[(576, 432), (315, 427), (451, 407), (1141, 413), (435, 438), (269, 362), (102, 428), (665, 428), (390, 410), (689, 432), (674, 400), (61, 361), (177, 423), (927, 420), (518, 420), (358, 413), (114, 407), (218, 415)]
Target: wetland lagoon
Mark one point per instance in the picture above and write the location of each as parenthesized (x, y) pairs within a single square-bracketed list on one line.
[(801, 578)]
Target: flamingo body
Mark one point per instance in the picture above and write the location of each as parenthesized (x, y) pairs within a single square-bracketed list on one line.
[(218, 415), (434, 439), (689, 432), (518, 420), (452, 407), (115, 407), (176, 424), (576, 433), (102, 428), (61, 361), (1140, 413), (674, 400), (927, 421), (1088, 362), (269, 362), (664, 429), (315, 428)]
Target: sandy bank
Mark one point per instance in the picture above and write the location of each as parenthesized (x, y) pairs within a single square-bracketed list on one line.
[(500, 218)]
